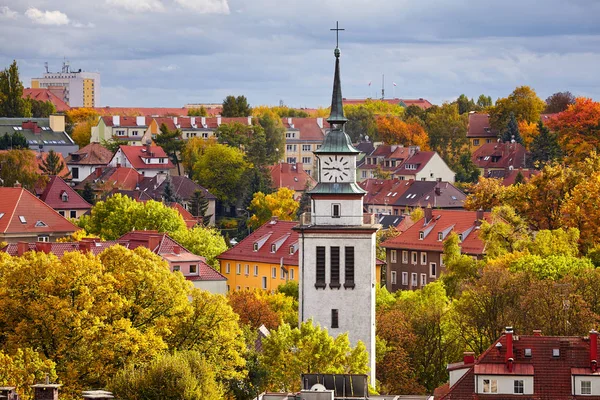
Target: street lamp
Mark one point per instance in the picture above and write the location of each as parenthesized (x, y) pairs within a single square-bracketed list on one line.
[(247, 218)]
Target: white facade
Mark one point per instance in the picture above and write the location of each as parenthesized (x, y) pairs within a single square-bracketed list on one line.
[(153, 165), (81, 89), (435, 170), (456, 374), (580, 380), (502, 384), (82, 171)]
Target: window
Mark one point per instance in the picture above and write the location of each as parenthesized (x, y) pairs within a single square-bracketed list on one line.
[(62, 212), (423, 258), (256, 270), (273, 248), (334, 318), (320, 267), (518, 385), (349, 267), (290, 147), (43, 238), (73, 214), (282, 273), (22, 219), (490, 386), (393, 256), (306, 147), (414, 279), (255, 246), (134, 133), (334, 259), (475, 142), (306, 160), (335, 210), (440, 236), (432, 270), (227, 268), (405, 278), (264, 282), (586, 387), (238, 269), (291, 160), (421, 235), (291, 273), (176, 268), (75, 172), (404, 257), (274, 272), (246, 270), (289, 135), (414, 257), (363, 174), (423, 279), (555, 352), (120, 133), (393, 277)]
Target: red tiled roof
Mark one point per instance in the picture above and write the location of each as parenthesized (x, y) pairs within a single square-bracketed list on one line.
[(384, 191), (53, 196), (422, 103), (509, 179), (271, 231), (147, 111), (135, 154), (18, 202), (123, 178), (308, 128), (92, 154), (552, 375), (46, 95), (59, 249), (291, 176), (127, 122), (479, 126), (461, 222), (420, 159), (507, 155), (190, 220), (167, 121)]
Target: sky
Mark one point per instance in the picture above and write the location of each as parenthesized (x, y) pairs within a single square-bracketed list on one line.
[(167, 53)]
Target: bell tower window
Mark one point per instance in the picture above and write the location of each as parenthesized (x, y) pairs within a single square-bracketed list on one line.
[(335, 210), (320, 281), (349, 267)]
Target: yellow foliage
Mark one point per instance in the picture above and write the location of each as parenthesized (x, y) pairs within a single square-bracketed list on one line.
[(82, 132), (280, 204), (528, 131), (487, 194), (77, 236)]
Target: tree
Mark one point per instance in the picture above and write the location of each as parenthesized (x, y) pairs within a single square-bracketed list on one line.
[(466, 105), (19, 166), (23, 369), (447, 131), (508, 232), (171, 143), (519, 179), (393, 130), (88, 193), (236, 107), (460, 268), (12, 104), (41, 109), (488, 193), (82, 133), (304, 202), (280, 204), (484, 101), (117, 215), (580, 210), (203, 241), (234, 134), (85, 116), (545, 148), (361, 123), (197, 112), (113, 144), (12, 141), (169, 196), (52, 164), (512, 130), (559, 102), (274, 137), (192, 151), (221, 161), (182, 375), (288, 353), (523, 102), (466, 170), (199, 207), (290, 289), (257, 307)]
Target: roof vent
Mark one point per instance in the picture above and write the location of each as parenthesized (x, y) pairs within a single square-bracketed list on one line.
[(555, 352), (527, 352)]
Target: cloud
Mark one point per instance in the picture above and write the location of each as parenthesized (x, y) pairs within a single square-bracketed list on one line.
[(6, 12), (78, 24), (168, 68), (205, 6), (138, 5), (47, 17)]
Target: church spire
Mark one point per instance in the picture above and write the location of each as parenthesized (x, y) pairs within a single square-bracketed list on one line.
[(337, 108)]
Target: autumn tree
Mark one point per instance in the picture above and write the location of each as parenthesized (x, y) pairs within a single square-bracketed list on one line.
[(24, 368), (290, 352), (523, 102), (236, 107), (280, 204), (544, 148), (19, 166), (203, 241), (194, 148), (393, 130), (507, 232), (447, 132), (460, 268), (488, 193), (580, 210), (257, 307), (558, 102), (52, 164), (12, 104), (197, 112)]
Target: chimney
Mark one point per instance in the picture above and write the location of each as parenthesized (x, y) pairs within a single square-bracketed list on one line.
[(149, 147), (438, 191), (116, 120), (45, 391), (249, 121), (193, 122), (537, 332), (593, 350), (218, 121), (175, 120), (140, 121), (8, 393), (320, 122), (176, 249), (31, 125), (43, 247), (412, 150), (153, 242), (98, 172), (479, 217), (17, 184), (289, 121), (510, 356), (428, 214), (468, 357), (22, 248), (85, 246), (160, 178), (118, 165), (203, 121), (274, 219), (57, 123)]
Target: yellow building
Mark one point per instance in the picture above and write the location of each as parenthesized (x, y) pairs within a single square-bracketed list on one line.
[(479, 131)]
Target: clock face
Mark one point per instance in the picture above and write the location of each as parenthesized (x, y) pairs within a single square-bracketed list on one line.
[(336, 169)]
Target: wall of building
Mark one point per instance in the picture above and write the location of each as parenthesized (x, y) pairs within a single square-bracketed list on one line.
[(68, 213), (351, 212), (505, 383), (252, 280), (399, 266), (216, 287), (595, 380)]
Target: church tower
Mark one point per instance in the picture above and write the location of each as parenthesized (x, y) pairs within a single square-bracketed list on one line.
[(337, 244)]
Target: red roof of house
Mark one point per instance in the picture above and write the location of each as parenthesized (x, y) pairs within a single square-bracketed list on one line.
[(123, 178), (135, 154), (420, 159), (442, 221), (147, 111), (479, 126), (384, 191), (422, 103), (291, 176), (127, 122), (552, 374), (509, 178), (167, 121), (190, 220), (499, 155), (59, 249), (272, 232), (92, 154), (308, 128), (46, 95), (54, 196), (22, 212)]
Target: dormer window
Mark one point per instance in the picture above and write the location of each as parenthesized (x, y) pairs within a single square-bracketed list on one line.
[(273, 248), (421, 235), (291, 249), (255, 246), (440, 236), (40, 224), (460, 237), (64, 196)]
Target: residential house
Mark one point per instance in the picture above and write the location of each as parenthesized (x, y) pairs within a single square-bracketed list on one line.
[(528, 367), (150, 111), (498, 156), (42, 134), (46, 95), (425, 166), (133, 130), (94, 246), (415, 258), (63, 199), (193, 267), (420, 102), (382, 195), (302, 137), (265, 259), (291, 176), (148, 160), (83, 162), (479, 131), (24, 217), (106, 180), (509, 177), (384, 159)]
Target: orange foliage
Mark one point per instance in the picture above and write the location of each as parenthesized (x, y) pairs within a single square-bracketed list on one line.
[(392, 130), (254, 310), (528, 131), (578, 128)]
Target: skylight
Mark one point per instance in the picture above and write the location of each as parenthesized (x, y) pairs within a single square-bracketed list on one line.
[(22, 219), (1, 215)]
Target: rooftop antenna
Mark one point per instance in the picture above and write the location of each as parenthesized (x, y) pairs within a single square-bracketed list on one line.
[(46, 66), (382, 87)]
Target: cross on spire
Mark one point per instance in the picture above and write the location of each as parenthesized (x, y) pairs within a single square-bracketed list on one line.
[(337, 30)]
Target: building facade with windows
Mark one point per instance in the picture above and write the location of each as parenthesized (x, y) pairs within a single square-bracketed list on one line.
[(302, 137), (63, 199), (415, 258), (76, 88), (133, 130), (148, 160), (83, 162)]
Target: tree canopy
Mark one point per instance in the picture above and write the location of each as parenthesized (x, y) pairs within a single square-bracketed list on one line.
[(236, 107)]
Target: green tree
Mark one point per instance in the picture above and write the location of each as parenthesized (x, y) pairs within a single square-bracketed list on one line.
[(220, 161), (197, 112), (88, 193), (484, 101), (361, 123), (199, 207), (447, 131), (184, 375), (113, 144), (465, 105), (523, 102), (545, 147), (171, 143), (274, 136), (12, 104), (52, 164), (512, 131), (234, 134), (507, 232), (168, 195), (41, 109), (203, 241), (290, 289), (290, 352), (236, 107), (13, 141), (466, 170), (460, 268)]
